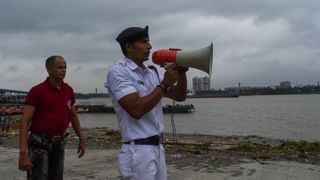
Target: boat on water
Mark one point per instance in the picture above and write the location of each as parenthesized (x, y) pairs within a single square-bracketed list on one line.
[(178, 108), (185, 108), (230, 93), (11, 110)]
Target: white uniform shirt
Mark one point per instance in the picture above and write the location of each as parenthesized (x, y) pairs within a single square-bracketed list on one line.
[(125, 78)]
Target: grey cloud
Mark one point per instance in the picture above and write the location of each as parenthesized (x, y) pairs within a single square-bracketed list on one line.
[(13, 68), (255, 42)]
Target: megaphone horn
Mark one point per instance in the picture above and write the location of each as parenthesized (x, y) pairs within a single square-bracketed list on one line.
[(199, 58)]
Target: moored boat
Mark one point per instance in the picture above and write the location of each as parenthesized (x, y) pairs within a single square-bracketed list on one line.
[(188, 108), (12, 110), (231, 93)]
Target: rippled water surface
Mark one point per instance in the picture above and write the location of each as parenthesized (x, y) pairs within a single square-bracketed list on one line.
[(292, 117)]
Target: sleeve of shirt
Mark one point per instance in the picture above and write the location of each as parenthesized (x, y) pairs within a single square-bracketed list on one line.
[(119, 83), (32, 97), (73, 99)]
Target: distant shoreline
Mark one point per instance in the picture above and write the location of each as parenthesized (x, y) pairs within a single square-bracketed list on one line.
[(105, 95)]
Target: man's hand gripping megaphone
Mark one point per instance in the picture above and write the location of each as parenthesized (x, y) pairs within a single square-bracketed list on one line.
[(167, 60)]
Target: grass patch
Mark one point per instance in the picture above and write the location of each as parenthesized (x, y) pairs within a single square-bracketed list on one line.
[(301, 148)]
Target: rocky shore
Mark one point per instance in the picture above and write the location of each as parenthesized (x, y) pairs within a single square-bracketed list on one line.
[(191, 157)]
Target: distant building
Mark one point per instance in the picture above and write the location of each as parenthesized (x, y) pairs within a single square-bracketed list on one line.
[(201, 84), (285, 84)]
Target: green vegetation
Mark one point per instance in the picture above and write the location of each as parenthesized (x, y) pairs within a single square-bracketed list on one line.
[(300, 148)]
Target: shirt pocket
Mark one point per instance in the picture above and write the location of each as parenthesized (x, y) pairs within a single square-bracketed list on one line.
[(141, 88)]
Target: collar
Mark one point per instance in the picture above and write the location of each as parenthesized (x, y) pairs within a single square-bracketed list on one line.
[(49, 85), (132, 65)]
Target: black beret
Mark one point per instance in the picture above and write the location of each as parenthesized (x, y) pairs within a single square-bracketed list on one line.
[(132, 34)]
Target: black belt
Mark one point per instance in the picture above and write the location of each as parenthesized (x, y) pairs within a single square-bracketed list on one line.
[(50, 138), (152, 140)]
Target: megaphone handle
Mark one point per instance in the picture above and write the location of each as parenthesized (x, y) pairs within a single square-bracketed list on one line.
[(167, 65)]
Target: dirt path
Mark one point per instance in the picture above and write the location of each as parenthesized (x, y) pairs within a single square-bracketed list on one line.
[(101, 165), (211, 160)]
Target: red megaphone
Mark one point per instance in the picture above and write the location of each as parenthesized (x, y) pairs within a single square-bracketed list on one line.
[(163, 56), (199, 58)]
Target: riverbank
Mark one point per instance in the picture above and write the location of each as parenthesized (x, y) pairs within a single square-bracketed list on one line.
[(196, 157)]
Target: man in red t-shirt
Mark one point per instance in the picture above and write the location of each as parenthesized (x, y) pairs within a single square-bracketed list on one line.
[(49, 107)]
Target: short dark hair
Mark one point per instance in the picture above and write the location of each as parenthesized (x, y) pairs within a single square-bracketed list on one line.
[(123, 48), (50, 60)]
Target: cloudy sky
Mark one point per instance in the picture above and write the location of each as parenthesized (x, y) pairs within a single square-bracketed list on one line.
[(256, 43)]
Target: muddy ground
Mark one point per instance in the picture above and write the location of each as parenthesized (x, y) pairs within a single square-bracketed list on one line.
[(191, 157)]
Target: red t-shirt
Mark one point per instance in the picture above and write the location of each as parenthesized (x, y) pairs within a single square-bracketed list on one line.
[(52, 107)]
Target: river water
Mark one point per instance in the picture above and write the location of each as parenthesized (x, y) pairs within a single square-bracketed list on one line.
[(293, 117)]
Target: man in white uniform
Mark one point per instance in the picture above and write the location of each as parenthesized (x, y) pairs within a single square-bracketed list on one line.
[(136, 91)]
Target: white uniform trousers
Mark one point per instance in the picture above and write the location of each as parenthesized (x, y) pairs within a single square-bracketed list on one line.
[(142, 162)]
